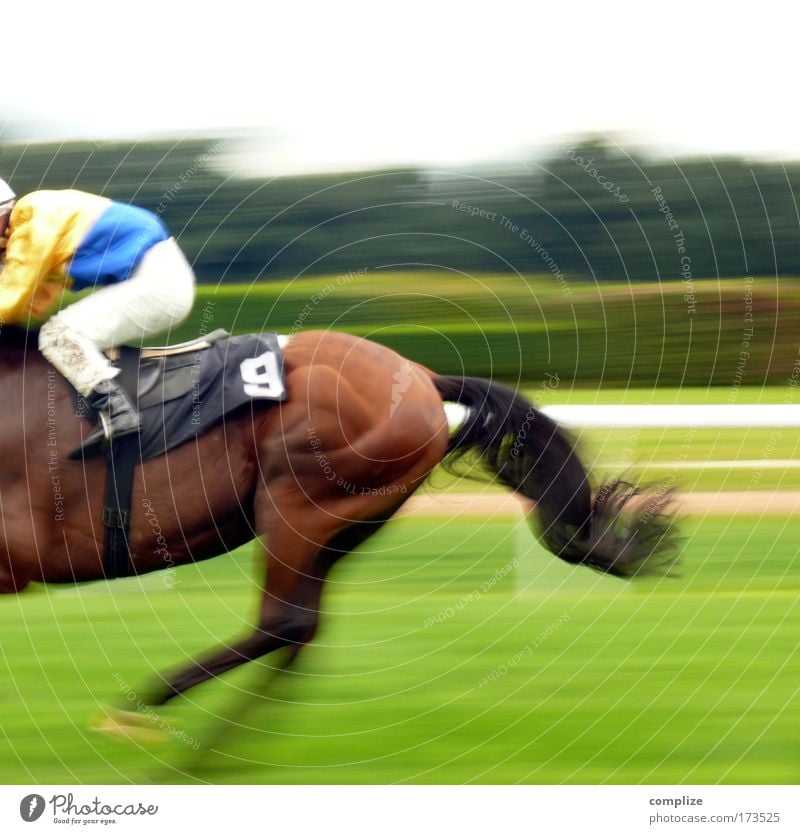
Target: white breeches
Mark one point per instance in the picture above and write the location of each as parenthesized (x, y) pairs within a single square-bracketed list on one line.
[(157, 297)]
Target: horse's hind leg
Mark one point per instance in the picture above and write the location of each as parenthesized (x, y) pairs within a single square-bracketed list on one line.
[(305, 515), (307, 600), (303, 543)]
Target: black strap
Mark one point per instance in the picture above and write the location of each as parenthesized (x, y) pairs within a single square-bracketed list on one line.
[(122, 459), (123, 455)]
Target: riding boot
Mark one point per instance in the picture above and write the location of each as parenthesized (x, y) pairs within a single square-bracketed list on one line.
[(118, 415)]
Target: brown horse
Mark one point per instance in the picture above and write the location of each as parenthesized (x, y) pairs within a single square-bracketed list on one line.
[(310, 479)]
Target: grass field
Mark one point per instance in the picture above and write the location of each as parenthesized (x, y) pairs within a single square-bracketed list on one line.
[(523, 327), (450, 652), (453, 650)]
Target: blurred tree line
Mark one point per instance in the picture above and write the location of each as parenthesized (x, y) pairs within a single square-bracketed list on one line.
[(587, 209)]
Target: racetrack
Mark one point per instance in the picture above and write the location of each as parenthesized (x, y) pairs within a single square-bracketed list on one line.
[(453, 649)]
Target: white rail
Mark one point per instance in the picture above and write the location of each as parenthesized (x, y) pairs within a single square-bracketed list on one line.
[(676, 416), (661, 416)]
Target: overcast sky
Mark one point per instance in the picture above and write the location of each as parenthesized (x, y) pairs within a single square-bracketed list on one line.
[(345, 85)]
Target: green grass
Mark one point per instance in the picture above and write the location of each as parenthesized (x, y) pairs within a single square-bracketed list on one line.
[(522, 327), (553, 674), (515, 328), (638, 395)]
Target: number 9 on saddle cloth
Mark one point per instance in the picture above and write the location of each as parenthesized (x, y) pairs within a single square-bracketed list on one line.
[(181, 392), (184, 390)]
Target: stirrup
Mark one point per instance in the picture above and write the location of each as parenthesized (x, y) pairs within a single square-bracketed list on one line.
[(99, 440)]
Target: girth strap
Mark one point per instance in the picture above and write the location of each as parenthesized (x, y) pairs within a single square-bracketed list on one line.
[(122, 457)]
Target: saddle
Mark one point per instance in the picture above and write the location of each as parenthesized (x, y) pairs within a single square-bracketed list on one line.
[(160, 374), (181, 392)]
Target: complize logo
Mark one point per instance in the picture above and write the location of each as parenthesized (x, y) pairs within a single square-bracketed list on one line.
[(31, 807), (66, 809)]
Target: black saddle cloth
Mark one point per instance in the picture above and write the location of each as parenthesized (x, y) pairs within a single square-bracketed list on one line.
[(183, 395)]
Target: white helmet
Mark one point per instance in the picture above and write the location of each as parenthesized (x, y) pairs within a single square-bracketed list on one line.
[(6, 194)]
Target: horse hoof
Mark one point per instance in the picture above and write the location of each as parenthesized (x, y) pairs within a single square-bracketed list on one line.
[(125, 725)]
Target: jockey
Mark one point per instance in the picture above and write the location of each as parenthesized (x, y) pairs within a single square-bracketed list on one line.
[(51, 240)]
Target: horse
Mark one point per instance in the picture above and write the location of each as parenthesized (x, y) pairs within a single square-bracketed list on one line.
[(310, 479)]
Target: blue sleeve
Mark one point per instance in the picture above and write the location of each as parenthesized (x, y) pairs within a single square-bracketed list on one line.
[(115, 246)]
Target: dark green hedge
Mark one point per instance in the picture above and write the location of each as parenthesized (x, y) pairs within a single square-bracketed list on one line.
[(587, 208), (736, 332)]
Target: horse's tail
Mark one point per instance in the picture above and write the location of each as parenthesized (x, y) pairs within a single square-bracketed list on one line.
[(528, 452)]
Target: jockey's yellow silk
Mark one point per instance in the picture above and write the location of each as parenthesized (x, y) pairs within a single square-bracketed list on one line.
[(45, 230)]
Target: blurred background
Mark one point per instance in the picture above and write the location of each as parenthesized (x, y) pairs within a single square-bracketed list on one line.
[(595, 203)]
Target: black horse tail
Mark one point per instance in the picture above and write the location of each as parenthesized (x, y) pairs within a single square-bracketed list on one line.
[(527, 451)]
